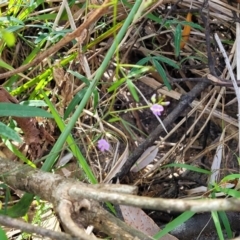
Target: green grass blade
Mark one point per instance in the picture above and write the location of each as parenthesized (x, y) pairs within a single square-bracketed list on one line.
[(231, 192), (66, 131), (226, 223), (17, 153), (132, 90), (20, 208), (173, 224), (80, 77), (217, 225), (75, 101), (177, 39), (162, 73), (9, 133), (16, 110), (230, 177), (189, 167), (48, 164), (166, 60), (3, 235)]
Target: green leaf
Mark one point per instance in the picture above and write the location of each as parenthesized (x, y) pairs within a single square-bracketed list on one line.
[(173, 224), (79, 76), (167, 61), (230, 177), (95, 98), (132, 90), (230, 192), (9, 38), (114, 119), (162, 73), (10, 19), (158, 58), (14, 28), (217, 225), (17, 153), (144, 61), (20, 208), (5, 65), (116, 84), (9, 133), (226, 223), (49, 162), (177, 39), (17, 110), (189, 167), (34, 103), (3, 235), (75, 101), (46, 17)]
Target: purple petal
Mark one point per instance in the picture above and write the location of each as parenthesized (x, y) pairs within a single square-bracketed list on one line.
[(157, 109), (103, 145)]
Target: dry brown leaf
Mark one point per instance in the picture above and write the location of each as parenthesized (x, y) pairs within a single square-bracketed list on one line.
[(137, 218), (34, 134)]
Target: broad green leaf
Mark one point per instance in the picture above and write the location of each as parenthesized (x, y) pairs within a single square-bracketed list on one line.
[(173, 224), (189, 167), (132, 90), (9, 133), (177, 39), (17, 110), (162, 73)]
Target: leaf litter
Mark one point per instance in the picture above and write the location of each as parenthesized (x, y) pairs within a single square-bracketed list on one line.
[(195, 136)]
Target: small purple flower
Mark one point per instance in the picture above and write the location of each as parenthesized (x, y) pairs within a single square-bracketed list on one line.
[(103, 145), (157, 109)]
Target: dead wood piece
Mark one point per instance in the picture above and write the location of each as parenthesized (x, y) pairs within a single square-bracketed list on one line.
[(55, 189), (26, 227), (65, 209)]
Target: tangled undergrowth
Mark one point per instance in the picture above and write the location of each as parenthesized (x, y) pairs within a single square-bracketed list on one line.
[(145, 93)]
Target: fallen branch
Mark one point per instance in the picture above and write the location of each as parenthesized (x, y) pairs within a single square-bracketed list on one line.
[(29, 228), (81, 199), (75, 212)]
